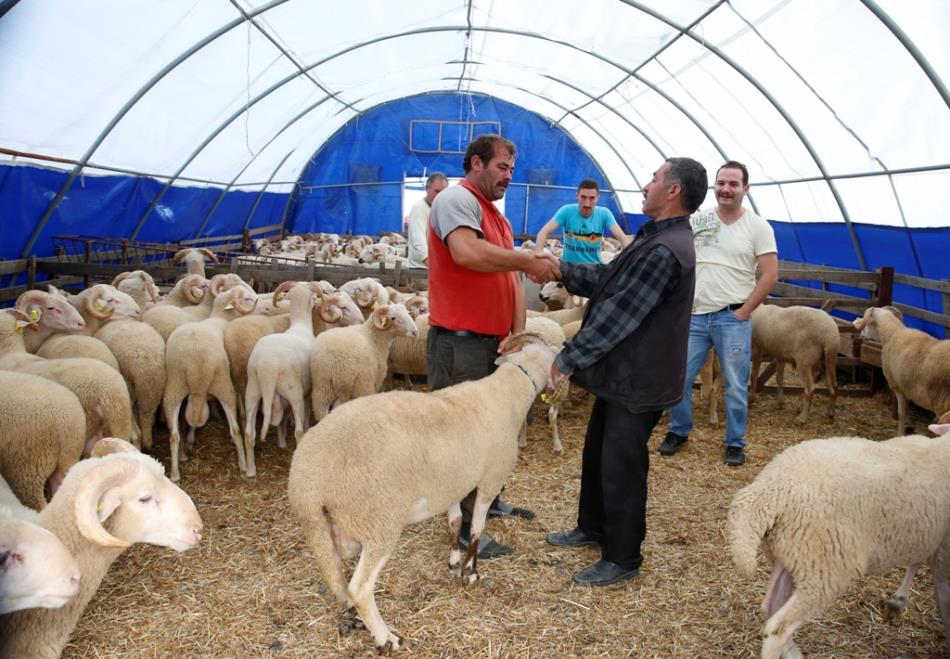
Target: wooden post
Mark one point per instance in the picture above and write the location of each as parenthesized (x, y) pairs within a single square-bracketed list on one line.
[(31, 273), (885, 286), (87, 258), (246, 241)]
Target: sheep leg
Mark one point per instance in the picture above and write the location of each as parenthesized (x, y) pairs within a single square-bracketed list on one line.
[(779, 589), (942, 590), (299, 406), (523, 436), (455, 529), (146, 421), (831, 378), (479, 514), (174, 437), (552, 420), (902, 425), (894, 607), (779, 629), (222, 389), (372, 560), (780, 383), (252, 397), (807, 377)]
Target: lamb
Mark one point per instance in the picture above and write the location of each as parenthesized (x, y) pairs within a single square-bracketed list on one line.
[(196, 365), (377, 463), (803, 336), (194, 259), (36, 569), (58, 320), (916, 365), (555, 296), (832, 510), (279, 370), (349, 362), (99, 388), (105, 505), (138, 285), (42, 435)]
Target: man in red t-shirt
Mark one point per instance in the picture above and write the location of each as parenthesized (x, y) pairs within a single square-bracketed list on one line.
[(476, 300)]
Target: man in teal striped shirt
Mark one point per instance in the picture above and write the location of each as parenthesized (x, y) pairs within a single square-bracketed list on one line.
[(584, 224)]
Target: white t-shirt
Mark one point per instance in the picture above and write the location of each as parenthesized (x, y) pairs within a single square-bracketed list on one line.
[(726, 256), (418, 230)]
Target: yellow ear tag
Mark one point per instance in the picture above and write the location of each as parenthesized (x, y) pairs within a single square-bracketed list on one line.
[(375, 306), (856, 321), (19, 325), (100, 305), (317, 301), (34, 314), (278, 297)]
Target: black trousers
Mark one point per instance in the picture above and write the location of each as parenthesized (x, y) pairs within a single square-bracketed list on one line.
[(451, 359), (616, 461)]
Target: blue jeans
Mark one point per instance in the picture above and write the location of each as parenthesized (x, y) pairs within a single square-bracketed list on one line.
[(732, 339)]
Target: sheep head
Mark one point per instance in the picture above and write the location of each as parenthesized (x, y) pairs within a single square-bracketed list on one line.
[(338, 308), (417, 305), (867, 324), (224, 282), (239, 298), (36, 569), (52, 311), (394, 318), (106, 302), (137, 280), (130, 490)]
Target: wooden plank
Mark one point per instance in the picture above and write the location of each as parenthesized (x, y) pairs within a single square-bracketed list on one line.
[(274, 228), (830, 276), (941, 285), (13, 267)]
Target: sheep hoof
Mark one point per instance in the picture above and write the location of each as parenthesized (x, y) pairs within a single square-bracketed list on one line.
[(469, 579), (894, 609), (393, 644)]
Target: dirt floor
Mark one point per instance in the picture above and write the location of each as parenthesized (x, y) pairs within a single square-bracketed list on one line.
[(252, 590)]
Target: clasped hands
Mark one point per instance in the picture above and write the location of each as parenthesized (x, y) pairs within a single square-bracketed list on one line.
[(544, 268)]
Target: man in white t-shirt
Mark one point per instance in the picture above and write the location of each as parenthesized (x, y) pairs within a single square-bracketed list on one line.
[(418, 229), (730, 241)]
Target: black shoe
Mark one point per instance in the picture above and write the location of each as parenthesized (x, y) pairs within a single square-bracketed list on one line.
[(672, 443), (735, 456), (487, 547), (603, 573), (501, 508), (574, 538)]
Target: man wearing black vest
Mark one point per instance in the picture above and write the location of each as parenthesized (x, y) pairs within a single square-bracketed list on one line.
[(631, 354)]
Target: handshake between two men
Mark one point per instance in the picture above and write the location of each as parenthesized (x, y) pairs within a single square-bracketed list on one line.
[(543, 267)]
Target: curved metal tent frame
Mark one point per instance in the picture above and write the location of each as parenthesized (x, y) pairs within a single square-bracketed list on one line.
[(302, 70)]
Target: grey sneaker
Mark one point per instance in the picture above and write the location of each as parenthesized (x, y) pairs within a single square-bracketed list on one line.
[(735, 456)]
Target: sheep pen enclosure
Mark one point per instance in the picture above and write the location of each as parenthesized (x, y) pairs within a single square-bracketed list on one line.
[(251, 589)]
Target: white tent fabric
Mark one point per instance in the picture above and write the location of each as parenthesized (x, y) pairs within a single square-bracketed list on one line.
[(839, 108)]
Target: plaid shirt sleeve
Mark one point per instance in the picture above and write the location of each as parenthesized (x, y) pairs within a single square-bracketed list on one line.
[(634, 294), (582, 278)]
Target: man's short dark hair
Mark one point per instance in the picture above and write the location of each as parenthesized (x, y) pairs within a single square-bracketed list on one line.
[(588, 184), (485, 146), (434, 177), (691, 175), (732, 164)]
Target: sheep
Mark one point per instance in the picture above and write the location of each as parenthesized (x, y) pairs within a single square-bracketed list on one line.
[(58, 320), (349, 362), (217, 284), (36, 569), (916, 365), (279, 370), (99, 388), (407, 356), (803, 336), (187, 291), (105, 505), (196, 365), (367, 292), (242, 334), (377, 463), (42, 435), (169, 314), (138, 285), (140, 352), (553, 335), (831, 510), (555, 296), (194, 259), (561, 316)]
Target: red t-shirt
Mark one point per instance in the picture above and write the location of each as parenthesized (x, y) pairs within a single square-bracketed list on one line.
[(461, 298)]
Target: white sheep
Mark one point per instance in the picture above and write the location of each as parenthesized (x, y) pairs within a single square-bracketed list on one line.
[(196, 366), (59, 322), (169, 313), (553, 334), (555, 296), (105, 505), (279, 370), (378, 463), (99, 388), (916, 365), (138, 285), (803, 336), (194, 258), (36, 569), (367, 292), (349, 362), (832, 510), (42, 435)]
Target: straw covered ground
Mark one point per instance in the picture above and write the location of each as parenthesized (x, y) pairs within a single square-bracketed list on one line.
[(251, 589)]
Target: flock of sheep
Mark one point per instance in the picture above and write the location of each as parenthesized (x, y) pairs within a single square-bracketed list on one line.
[(100, 364)]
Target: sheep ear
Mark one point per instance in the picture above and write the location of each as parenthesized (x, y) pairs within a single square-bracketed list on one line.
[(108, 503), (939, 429), (381, 318)]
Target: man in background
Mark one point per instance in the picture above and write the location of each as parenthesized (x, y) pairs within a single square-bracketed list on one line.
[(730, 242), (418, 228), (583, 224)]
